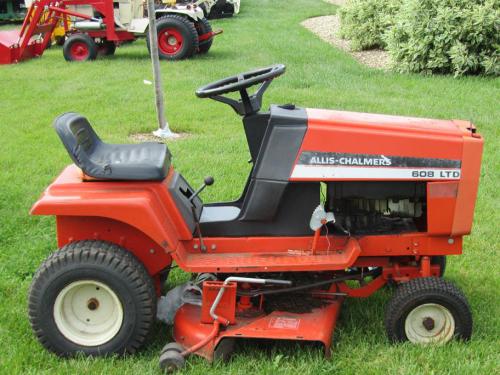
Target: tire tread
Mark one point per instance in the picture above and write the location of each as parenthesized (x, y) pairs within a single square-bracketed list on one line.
[(419, 288), (95, 252)]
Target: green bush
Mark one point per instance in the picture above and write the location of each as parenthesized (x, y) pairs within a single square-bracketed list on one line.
[(429, 36), (446, 36), (364, 22)]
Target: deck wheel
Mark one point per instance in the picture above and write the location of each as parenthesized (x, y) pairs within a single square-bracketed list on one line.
[(171, 360), (172, 346)]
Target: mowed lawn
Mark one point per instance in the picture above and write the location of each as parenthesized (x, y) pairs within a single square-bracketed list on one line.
[(111, 92)]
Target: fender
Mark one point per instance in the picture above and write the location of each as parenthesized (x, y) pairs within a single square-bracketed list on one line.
[(194, 15), (141, 213)]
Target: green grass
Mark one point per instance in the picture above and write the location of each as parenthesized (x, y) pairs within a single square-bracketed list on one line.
[(112, 94)]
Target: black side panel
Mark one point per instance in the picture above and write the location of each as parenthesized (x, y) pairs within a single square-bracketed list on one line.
[(281, 144), (263, 200), (272, 206), (255, 129), (292, 217), (276, 157), (180, 192)]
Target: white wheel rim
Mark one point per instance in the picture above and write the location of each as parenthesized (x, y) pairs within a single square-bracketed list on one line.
[(429, 323), (88, 313)]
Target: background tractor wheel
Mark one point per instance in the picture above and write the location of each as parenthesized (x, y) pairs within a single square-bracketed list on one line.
[(80, 47), (177, 37), (203, 27), (428, 310), (60, 40), (107, 48), (92, 297)]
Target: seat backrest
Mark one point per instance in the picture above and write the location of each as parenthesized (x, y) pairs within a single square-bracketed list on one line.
[(79, 139)]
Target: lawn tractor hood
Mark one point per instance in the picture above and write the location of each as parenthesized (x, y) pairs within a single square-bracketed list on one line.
[(362, 146), (442, 156)]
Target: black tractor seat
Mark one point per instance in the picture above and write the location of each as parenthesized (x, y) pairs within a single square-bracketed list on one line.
[(146, 161)]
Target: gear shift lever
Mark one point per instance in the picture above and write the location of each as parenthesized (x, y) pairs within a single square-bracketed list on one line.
[(206, 182)]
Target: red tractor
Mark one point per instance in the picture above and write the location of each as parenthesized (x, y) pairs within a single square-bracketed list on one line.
[(97, 27), (337, 204)]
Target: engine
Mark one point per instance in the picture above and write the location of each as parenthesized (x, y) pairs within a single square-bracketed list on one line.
[(377, 207)]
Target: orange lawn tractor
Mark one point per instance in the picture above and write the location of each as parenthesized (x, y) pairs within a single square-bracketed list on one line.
[(336, 205)]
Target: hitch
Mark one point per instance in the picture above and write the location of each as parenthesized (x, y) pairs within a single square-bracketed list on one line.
[(209, 35)]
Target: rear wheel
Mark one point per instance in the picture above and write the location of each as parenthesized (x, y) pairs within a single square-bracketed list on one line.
[(107, 48), (80, 47), (428, 310), (204, 27), (177, 37), (92, 297)]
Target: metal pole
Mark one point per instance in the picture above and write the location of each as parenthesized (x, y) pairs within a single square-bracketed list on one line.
[(163, 130)]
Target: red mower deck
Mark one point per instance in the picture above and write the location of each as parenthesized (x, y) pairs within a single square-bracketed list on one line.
[(278, 325)]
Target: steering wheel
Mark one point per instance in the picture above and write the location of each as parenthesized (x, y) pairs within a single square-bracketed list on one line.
[(248, 104)]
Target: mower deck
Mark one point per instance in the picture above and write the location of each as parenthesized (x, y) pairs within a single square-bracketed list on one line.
[(277, 325)]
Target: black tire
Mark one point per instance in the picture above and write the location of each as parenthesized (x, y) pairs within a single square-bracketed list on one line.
[(429, 291), (107, 48), (202, 27), (60, 40), (172, 346), (225, 349), (80, 47), (439, 260), (171, 361), (105, 264), (187, 34)]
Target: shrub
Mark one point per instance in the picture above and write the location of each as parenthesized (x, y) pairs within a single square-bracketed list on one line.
[(446, 36), (364, 22)]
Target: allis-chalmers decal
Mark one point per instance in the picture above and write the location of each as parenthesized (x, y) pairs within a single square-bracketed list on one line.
[(313, 164)]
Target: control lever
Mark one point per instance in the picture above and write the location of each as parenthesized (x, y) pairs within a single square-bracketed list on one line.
[(208, 181)]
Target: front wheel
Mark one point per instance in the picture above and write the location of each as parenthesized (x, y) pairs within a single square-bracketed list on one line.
[(428, 311), (80, 47), (92, 297)]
